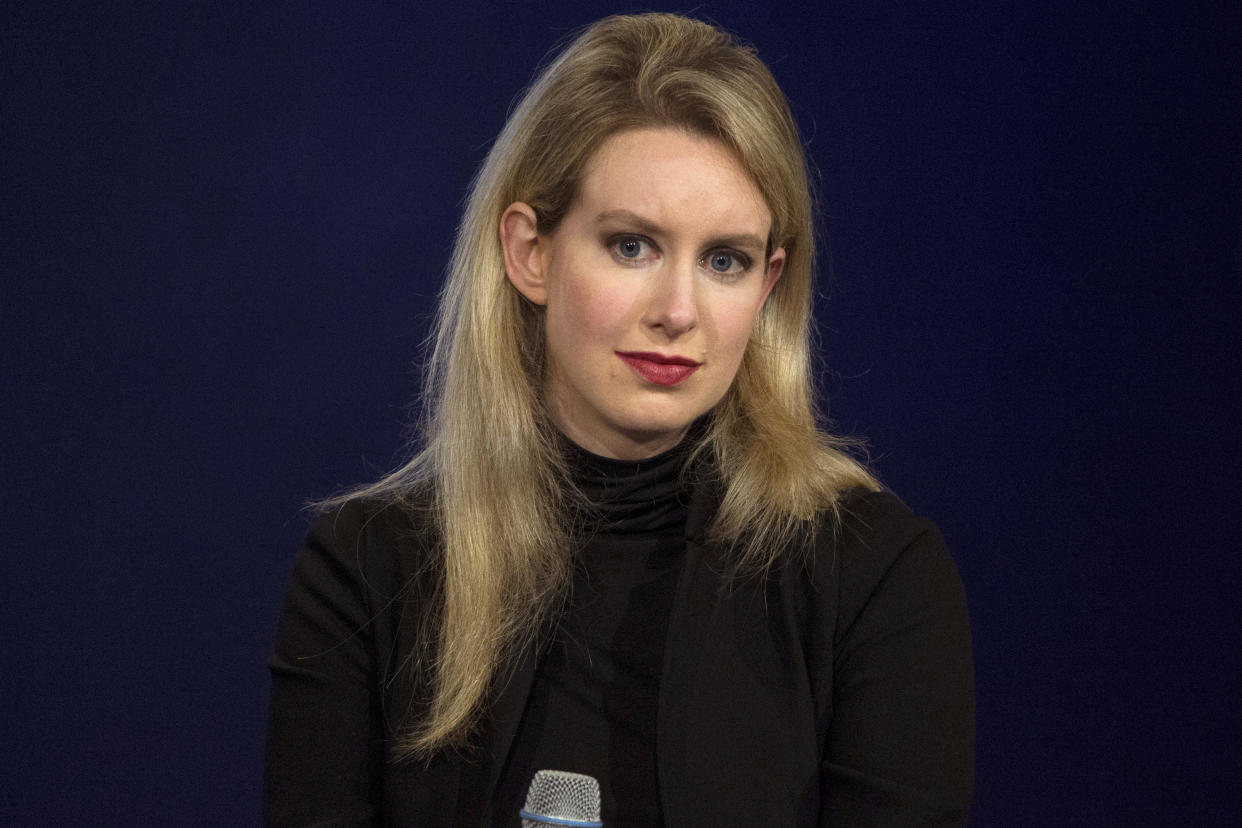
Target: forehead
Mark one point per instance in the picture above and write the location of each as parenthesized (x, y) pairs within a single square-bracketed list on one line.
[(673, 178)]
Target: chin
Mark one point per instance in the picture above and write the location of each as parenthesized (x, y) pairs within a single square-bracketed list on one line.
[(648, 429)]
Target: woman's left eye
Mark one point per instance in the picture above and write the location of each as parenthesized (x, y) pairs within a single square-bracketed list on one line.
[(725, 262)]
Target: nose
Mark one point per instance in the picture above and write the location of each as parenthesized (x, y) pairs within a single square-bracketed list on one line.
[(673, 308)]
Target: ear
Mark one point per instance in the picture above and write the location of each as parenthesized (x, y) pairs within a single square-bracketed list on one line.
[(776, 266), (524, 249)]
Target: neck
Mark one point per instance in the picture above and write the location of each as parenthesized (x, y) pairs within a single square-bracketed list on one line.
[(622, 446)]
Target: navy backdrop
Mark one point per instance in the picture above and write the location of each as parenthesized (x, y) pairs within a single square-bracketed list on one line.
[(223, 228)]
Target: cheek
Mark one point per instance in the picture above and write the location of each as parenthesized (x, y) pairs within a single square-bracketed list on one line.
[(588, 310), (585, 322), (734, 323)]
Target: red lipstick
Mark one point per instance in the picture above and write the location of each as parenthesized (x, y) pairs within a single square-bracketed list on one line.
[(660, 369)]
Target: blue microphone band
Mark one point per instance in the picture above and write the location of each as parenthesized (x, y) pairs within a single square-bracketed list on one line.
[(551, 820)]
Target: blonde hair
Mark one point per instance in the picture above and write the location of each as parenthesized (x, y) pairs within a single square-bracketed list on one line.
[(489, 453)]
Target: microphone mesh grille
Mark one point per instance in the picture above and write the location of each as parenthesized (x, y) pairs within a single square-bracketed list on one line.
[(563, 795)]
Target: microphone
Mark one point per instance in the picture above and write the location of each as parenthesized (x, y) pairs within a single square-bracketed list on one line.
[(562, 798)]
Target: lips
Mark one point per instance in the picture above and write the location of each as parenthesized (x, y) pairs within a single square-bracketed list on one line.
[(661, 369)]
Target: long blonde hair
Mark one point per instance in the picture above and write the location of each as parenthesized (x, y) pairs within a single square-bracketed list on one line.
[(488, 451)]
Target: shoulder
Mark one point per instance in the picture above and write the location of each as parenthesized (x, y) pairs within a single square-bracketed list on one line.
[(885, 557), (357, 608), (897, 646), (365, 572), (874, 527), (373, 548), (370, 522)]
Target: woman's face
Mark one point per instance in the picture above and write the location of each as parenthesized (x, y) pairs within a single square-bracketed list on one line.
[(651, 285)]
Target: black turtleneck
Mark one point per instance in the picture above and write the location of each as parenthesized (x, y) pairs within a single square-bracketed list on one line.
[(592, 708)]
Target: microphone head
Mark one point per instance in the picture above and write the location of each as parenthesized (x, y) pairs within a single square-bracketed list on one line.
[(562, 798)]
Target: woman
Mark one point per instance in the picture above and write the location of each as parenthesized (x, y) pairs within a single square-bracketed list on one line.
[(624, 547)]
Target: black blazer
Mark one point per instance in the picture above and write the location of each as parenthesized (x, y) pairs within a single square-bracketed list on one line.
[(836, 691)]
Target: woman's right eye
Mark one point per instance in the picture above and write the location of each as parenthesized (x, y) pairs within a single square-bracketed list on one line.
[(631, 248)]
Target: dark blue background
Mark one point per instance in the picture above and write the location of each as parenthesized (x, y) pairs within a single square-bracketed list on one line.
[(223, 228)]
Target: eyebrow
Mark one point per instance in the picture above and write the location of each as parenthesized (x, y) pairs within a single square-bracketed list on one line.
[(743, 240)]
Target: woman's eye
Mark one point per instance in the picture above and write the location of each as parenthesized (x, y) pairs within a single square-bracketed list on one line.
[(726, 263), (631, 248)]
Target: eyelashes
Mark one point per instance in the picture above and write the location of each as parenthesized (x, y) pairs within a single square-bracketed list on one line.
[(726, 262), (632, 248), (635, 251)]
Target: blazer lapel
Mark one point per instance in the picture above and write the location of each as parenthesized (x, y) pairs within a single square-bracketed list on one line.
[(677, 749), (481, 770), (736, 726)]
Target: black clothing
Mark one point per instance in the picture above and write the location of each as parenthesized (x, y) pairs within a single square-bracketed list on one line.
[(593, 704), (838, 690)]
